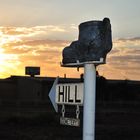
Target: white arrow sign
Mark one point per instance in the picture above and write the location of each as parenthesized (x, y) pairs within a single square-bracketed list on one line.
[(66, 93), (52, 94)]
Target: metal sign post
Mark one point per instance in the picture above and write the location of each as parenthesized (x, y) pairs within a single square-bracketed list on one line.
[(94, 42), (89, 97), (89, 102)]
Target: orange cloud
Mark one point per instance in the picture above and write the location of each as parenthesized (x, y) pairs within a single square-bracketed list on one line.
[(42, 46), (123, 60)]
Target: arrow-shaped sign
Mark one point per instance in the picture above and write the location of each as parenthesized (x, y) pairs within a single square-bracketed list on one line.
[(52, 94)]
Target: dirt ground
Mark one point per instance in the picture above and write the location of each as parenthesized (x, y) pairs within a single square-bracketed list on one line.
[(113, 122)]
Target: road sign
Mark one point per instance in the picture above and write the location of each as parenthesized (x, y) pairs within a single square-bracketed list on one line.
[(69, 93)]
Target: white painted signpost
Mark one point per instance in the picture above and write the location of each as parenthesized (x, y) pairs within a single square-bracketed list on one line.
[(89, 102), (89, 98)]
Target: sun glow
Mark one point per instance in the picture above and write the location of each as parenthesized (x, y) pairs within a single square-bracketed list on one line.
[(2, 56), (6, 59)]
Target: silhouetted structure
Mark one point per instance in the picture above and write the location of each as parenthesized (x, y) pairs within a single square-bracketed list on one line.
[(32, 71)]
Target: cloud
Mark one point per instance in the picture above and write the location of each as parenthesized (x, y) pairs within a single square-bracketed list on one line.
[(42, 51), (24, 41), (129, 39), (127, 42), (123, 60), (42, 46), (39, 42), (23, 46)]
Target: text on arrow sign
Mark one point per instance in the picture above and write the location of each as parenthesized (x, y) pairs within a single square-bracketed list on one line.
[(69, 93)]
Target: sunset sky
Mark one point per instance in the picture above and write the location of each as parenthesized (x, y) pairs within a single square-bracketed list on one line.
[(34, 33)]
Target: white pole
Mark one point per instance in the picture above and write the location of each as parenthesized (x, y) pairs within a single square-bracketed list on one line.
[(89, 102)]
